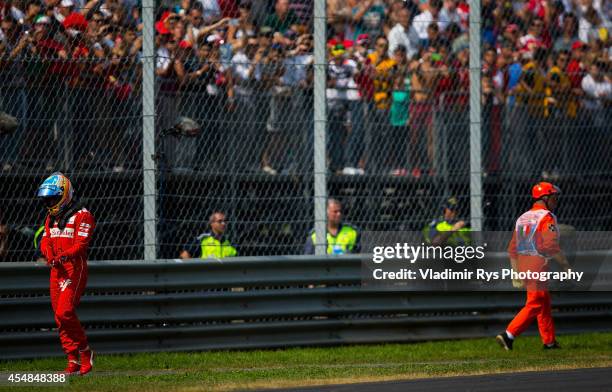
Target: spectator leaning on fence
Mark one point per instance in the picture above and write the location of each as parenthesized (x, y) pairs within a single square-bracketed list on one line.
[(342, 238), (424, 81), (213, 243), (398, 113), (269, 74), (378, 124), (342, 101)]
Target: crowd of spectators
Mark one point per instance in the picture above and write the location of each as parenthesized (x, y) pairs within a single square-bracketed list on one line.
[(244, 70)]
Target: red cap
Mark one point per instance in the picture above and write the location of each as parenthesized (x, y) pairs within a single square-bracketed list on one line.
[(362, 38), (160, 25), (578, 45), (75, 21), (185, 44), (346, 42)]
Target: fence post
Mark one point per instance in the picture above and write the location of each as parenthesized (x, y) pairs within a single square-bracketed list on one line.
[(475, 119), (148, 129), (320, 123)]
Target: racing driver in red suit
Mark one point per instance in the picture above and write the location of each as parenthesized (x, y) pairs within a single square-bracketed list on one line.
[(68, 231)]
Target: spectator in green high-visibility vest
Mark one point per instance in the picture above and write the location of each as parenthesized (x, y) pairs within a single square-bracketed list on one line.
[(212, 244), (448, 229), (342, 238)]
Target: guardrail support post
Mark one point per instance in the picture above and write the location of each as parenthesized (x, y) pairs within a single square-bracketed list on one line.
[(320, 123), (475, 119), (148, 130)]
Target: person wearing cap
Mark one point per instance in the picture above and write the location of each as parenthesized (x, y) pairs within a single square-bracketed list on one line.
[(529, 112), (169, 71), (535, 240), (398, 114), (265, 36), (206, 80), (63, 10), (80, 77), (249, 101), (279, 100), (360, 50), (575, 68), (74, 22), (375, 83), (447, 229), (342, 99), (12, 95), (45, 76), (242, 25), (289, 95)]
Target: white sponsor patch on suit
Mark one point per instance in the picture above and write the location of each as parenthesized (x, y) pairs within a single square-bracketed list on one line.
[(68, 232), (84, 229), (63, 284)]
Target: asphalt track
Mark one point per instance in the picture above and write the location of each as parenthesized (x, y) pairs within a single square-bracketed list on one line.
[(576, 380)]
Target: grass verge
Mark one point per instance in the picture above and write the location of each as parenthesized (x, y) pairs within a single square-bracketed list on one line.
[(237, 370)]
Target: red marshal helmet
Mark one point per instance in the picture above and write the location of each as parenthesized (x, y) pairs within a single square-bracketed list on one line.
[(542, 189)]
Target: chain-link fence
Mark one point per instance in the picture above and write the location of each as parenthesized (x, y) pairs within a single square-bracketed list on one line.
[(397, 117), (75, 88)]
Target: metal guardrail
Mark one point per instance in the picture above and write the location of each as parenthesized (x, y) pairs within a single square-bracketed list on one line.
[(242, 303)]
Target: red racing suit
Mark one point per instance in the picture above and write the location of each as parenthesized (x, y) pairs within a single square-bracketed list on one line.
[(535, 238), (66, 252)]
